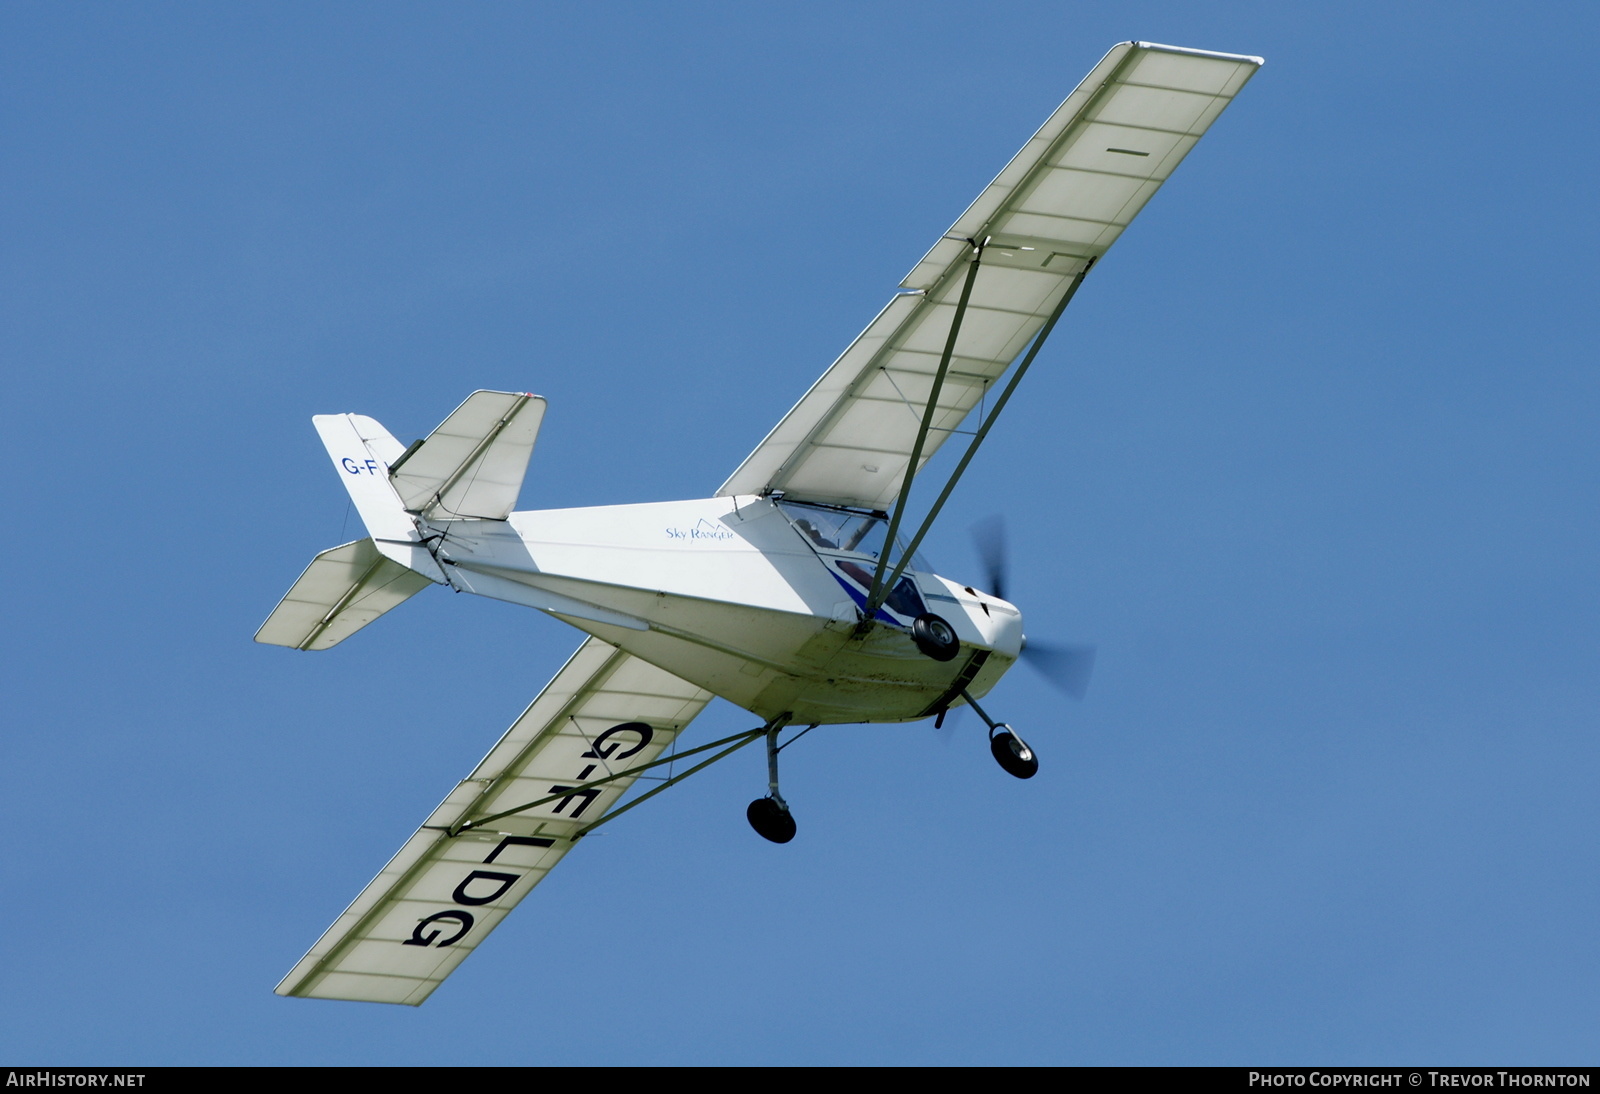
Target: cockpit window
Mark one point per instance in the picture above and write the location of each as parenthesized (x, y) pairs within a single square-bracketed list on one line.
[(843, 530), (837, 529)]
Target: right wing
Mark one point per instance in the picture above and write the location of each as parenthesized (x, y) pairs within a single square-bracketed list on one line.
[(441, 895), (1057, 206)]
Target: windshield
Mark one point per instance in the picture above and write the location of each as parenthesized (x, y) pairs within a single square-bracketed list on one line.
[(843, 530), (837, 529)]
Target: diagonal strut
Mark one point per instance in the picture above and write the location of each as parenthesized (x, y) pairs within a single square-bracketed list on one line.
[(879, 591), (983, 430)]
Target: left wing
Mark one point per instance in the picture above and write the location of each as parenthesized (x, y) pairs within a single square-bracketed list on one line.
[(1057, 206), (441, 895)]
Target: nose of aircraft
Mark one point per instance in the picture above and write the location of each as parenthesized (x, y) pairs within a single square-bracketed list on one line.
[(1066, 666)]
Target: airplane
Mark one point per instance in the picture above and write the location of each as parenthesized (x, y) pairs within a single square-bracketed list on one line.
[(793, 592)]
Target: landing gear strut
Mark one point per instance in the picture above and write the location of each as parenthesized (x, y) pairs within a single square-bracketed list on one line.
[(1010, 751), (770, 816)]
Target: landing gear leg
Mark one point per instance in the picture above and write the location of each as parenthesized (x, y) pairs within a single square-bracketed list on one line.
[(770, 816), (1010, 751)]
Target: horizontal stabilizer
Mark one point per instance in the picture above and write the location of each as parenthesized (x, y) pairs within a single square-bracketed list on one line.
[(343, 590), (473, 464)]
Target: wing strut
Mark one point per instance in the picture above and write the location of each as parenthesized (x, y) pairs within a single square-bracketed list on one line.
[(879, 592), (767, 730), (734, 742)]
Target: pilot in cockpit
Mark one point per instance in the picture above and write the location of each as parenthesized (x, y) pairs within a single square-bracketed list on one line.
[(815, 535)]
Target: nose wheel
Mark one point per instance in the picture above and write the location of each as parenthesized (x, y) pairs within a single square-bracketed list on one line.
[(1010, 751), (935, 637)]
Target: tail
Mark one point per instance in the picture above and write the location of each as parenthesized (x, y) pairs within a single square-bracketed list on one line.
[(470, 468)]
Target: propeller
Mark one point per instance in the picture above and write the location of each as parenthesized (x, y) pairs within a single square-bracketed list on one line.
[(1066, 667), (989, 537)]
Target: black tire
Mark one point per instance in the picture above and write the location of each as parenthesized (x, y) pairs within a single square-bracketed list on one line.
[(770, 820), (1013, 754), (935, 637)]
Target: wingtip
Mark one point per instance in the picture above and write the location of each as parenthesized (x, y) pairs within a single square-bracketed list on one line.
[(1164, 48)]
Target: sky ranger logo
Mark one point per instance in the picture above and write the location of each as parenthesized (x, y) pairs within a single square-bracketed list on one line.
[(703, 529)]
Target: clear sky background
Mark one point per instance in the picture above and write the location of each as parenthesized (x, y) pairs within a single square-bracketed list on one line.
[(1311, 458)]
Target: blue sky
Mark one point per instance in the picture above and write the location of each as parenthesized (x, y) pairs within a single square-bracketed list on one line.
[(1311, 458)]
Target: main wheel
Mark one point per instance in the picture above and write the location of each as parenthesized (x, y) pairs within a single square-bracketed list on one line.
[(771, 820), (935, 637), (1013, 754)]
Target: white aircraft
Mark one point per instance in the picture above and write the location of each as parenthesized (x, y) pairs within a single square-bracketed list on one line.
[(789, 593)]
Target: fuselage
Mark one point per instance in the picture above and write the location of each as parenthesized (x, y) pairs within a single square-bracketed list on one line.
[(756, 600)]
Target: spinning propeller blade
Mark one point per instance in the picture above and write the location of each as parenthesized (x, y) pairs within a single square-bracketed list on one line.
[(1066, 667), (989, 536)]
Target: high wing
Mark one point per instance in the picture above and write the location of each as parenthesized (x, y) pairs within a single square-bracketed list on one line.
[(1057, 206), (440, 896)]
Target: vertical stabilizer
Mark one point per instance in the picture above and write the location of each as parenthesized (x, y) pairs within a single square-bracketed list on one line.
[(362, 451)]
